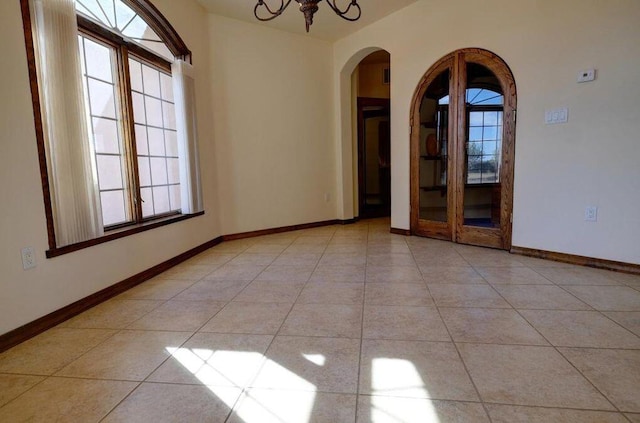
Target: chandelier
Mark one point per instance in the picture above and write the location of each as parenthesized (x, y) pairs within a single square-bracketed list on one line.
[(351, 12)]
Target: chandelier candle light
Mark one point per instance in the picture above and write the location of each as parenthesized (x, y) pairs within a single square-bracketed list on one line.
[(351, 12)]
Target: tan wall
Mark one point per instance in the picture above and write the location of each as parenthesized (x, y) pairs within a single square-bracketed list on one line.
[(273, 126), (55, 283), (370, 79), (559, 169)]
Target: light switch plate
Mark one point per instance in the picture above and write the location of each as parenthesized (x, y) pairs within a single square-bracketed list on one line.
[(553, 116)]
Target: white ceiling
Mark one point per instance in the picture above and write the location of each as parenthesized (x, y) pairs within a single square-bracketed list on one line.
[(326, 24)]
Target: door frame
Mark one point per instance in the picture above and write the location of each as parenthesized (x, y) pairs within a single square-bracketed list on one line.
[(454, 229), (363, 102)]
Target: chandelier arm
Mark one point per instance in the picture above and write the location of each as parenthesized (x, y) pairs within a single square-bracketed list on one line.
[(274, 14), (343, 13)]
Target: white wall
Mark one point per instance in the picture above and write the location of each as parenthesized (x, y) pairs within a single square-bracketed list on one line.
[(55, 283), (273, 126), (594, 159)]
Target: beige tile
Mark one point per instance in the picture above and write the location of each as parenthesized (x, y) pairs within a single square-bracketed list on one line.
[(231, 272), (66, 400), (306, 248), (128, 355), (339, 321), (311, 364), (298, 259), (515, 414), (332, 293), (191, 272), (12, 386), (608, 298), (51, 351), (312, 239), (270, 292), (251, 318), (577, 275), (381, 409), (627, 279), (387, 247), (343, 259), (493, 326), (236, 246), (212, 258), (628, 319), (635, 418), (616, 373), (338, 273), (534, 262), (277, 406), (267, 248), (156, 289), (414, 370), (155, 402), (212, 291), (400, 294), (113, 314), (403, 322), (512, 276), (580, 329), (345, 249), (450, 295), (429, 259), (253, 259), (390, 259), (525, 375), (492, 258), (540, 297), (452, 275), (177, 315), (279, 273), (390, 274), (213, 359)]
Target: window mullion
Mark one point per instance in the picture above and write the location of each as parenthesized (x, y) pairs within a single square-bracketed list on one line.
[(128, 123)]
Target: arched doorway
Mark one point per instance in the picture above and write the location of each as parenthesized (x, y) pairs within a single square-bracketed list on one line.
[(462, 150), (372, 100)]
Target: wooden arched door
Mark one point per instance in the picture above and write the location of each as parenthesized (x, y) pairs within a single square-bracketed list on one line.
[(462, 150)]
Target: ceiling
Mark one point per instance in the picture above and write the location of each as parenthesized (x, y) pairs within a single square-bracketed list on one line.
[(326, 24)]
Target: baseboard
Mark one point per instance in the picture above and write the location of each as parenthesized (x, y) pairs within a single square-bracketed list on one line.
[(44, 323), (616, 266), (405, 232), (28, 331), (263, 232)]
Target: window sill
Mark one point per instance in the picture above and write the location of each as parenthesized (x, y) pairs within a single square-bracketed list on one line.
[(120, 233)]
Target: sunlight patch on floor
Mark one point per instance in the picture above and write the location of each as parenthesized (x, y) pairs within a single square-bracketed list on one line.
[(399, 378), (215, 368)]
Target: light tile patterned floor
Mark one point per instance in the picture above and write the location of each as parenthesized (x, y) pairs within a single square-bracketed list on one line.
[(342, 324)]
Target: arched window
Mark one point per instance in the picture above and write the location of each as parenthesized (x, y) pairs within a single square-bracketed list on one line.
[(130, 116)]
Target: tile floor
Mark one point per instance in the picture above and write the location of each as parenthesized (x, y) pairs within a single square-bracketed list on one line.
[(342, 324)]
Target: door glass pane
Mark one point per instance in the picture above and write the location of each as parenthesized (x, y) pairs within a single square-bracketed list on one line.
[(484, 105), (434, 133)]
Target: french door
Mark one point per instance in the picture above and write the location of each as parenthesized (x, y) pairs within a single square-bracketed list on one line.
[(462, 150)]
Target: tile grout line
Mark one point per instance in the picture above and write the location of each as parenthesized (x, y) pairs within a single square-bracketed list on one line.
[(455, 346), (558, 351)]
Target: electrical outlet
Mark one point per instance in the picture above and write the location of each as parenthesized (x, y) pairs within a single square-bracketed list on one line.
[(586, 76), (28, 258), (591, 214), (327, 197)]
